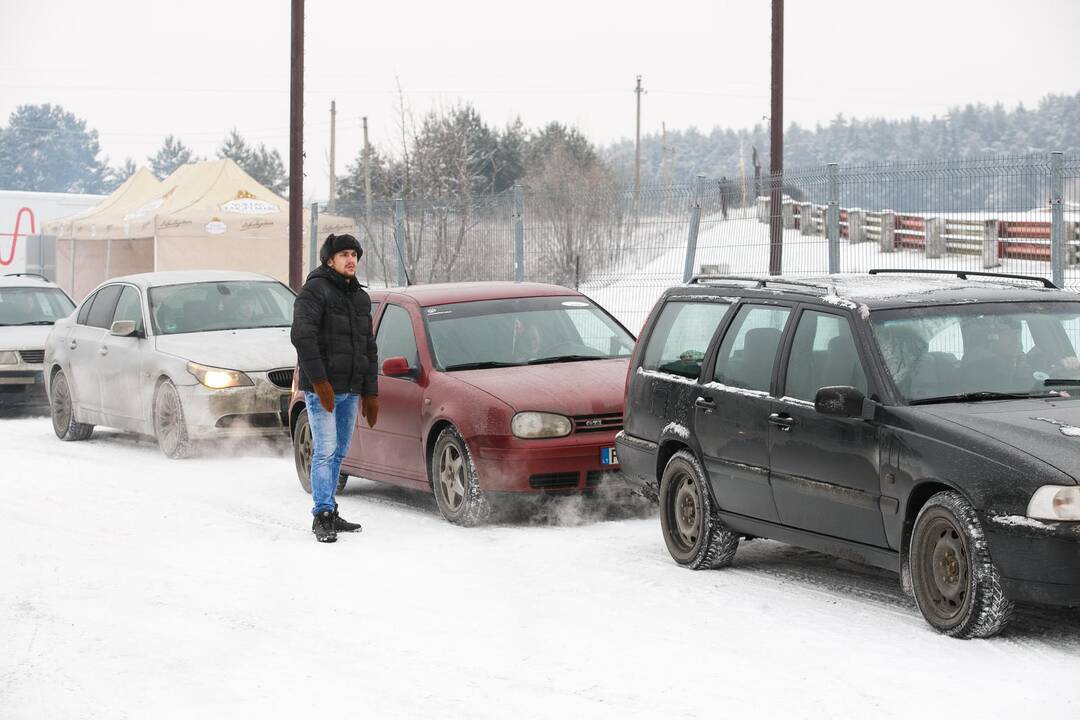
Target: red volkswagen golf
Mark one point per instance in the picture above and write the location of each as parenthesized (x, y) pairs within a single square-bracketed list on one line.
[(487, 388)]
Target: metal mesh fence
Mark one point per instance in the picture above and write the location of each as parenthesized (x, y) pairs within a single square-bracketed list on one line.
[(1018, 214)]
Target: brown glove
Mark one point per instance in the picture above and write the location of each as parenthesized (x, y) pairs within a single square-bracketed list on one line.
[(369, 408), (326, 394)]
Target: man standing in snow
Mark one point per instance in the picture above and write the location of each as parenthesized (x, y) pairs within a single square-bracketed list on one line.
[(335, 348)]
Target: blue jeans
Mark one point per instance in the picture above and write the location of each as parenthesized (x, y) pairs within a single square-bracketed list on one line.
[(330, 436)]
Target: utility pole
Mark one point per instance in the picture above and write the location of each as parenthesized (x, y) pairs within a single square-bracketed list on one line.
[(663, 154), (296, 147), (367, 175), (638, 90), (776, 141), (330, 205)]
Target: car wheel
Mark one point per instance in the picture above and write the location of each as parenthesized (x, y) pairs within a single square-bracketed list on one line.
[(170, 428), (694, 534), (956, 585), (63, 412), (455, 483), (302, 454)]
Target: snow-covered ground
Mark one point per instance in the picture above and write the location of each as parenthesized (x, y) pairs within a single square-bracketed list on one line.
[(132, 586)]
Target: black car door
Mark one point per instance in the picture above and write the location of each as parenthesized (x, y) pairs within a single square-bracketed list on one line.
[(731, 412), (824, 469)]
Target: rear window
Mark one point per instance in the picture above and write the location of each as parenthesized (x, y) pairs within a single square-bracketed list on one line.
[(681, 336)]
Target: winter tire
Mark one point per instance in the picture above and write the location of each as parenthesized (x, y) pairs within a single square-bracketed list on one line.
[(302, 454), (956, 585), (455, 483), (62, 410), (170, 427), (694, 534)]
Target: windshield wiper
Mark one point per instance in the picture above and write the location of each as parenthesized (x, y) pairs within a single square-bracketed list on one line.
[(481, 365), (980, 395), (1054, 382), (37, 322), (565, 358)]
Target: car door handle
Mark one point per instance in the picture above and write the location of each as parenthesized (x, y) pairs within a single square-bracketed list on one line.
[(103, 350), (73, 344), (706, 404), (782, 420)]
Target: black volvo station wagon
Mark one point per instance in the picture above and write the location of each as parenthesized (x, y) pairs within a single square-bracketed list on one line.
[(919, 421)]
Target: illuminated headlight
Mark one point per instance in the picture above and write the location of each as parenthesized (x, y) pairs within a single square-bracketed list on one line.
[(1055, 502), (530, 425), (218, 379), (9, 358)]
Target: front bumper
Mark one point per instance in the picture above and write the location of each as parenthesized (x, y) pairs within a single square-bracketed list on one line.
[(1039, 561), (570, 464), (23, 385), (254, 410)]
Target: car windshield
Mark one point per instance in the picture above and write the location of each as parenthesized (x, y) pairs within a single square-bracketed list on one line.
[(521, 331), (223, 305), (981, 351), (33, 306)]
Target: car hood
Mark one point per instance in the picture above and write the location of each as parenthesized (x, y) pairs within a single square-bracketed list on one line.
[(1048, 430), (590, 387), (24, 337), (248, 350)]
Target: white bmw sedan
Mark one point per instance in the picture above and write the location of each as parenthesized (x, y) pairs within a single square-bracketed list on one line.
[(182, 356)]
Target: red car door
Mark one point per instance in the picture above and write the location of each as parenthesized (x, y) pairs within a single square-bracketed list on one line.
[(393, 449)]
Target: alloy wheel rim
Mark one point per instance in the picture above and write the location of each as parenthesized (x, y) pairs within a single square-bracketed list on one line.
[(168, 420), (451, 478), (61, 410), (305, 449)]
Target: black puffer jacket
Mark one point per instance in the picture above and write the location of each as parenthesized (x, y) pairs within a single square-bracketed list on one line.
[(332, 333)]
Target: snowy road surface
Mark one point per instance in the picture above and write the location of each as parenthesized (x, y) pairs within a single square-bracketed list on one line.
[(132, 586)]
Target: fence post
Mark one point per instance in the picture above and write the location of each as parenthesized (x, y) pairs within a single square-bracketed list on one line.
[(1057, 218), (695, 222), (990, 244), (887, 239), (313, 238), (935, 236), (399, 239), (832, 218), (519, 233)]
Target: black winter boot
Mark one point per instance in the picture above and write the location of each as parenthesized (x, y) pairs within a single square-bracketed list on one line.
[(343, 525), (323, 527)]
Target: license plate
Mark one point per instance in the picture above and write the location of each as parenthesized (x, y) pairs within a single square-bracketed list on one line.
[(608, 456)]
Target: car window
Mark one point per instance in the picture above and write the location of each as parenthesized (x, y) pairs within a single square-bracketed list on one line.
[(823, 354), (129, 308), (748, 351), (681, 335), (395, 337), (33, 305), (597, 334), (84, 311), (104, 303)]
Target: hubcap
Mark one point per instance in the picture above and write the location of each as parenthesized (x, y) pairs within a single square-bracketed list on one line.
[(451, 477), (686, 511)]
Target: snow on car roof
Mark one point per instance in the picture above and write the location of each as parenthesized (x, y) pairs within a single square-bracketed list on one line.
[(181, 277), (444, 293), (25, 280)]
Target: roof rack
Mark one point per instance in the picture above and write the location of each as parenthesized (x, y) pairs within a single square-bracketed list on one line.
[(963, 275), (827, 287), (37, 275)]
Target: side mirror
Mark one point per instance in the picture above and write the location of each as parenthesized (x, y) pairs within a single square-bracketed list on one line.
[(123, 328), (396, 367), (844, 401)]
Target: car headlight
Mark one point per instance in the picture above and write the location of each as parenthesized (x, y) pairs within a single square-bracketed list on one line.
[(1055, 502), (217, 378), (530, 425), (9, 357)]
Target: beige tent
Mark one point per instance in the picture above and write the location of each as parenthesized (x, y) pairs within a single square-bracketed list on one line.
[(209, 215)]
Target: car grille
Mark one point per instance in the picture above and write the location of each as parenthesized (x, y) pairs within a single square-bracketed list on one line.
[(554, 481), (597, 423), (281, 378), (33, 357)]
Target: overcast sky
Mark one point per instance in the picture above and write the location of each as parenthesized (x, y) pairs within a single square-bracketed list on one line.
[(137, 71)]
